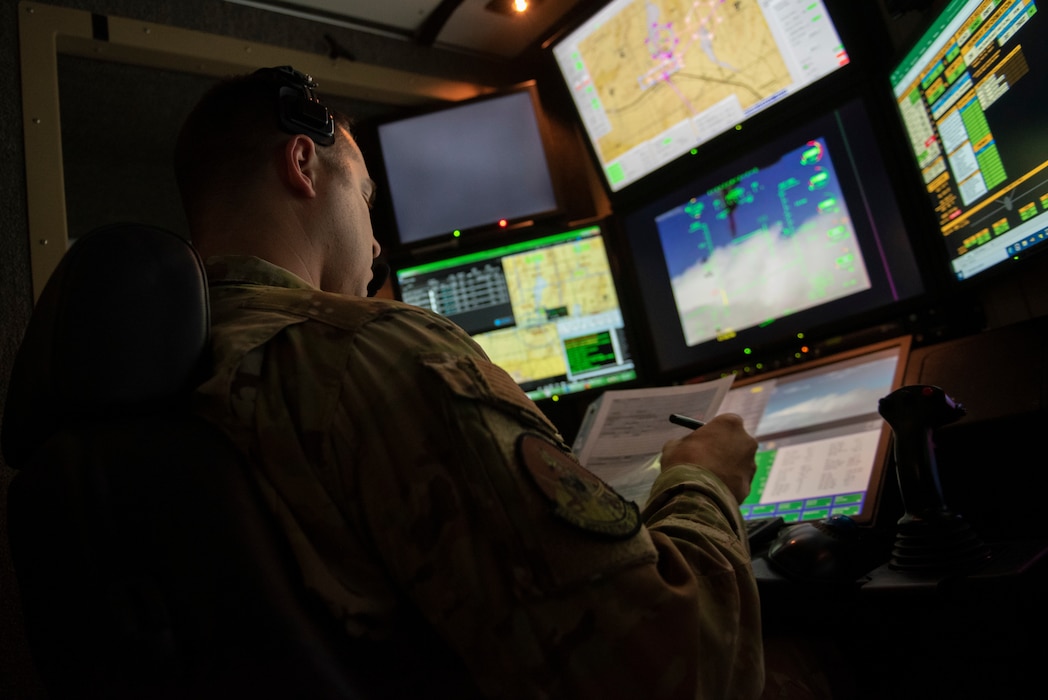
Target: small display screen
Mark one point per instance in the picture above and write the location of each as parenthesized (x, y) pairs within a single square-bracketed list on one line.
[(545, 309), (466, 167), (822, 445)]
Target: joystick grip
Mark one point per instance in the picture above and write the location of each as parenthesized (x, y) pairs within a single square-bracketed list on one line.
[(914, 412), (929, 537)]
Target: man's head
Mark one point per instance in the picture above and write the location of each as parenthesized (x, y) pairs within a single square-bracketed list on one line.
[(265, 169)]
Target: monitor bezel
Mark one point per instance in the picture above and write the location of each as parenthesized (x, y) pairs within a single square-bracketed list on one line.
[(936, 258), (797, 337)]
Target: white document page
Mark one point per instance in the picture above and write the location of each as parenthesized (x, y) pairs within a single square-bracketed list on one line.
[(623, 432)]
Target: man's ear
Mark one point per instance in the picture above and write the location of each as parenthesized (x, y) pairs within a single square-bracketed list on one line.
[(300, 165)]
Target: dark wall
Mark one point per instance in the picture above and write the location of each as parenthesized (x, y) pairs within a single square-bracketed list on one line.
[(17, 676)]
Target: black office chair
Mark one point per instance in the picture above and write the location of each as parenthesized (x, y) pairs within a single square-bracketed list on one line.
[(147, 566)]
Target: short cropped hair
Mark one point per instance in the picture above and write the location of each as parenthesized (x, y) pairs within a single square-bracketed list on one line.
[(230, 134)]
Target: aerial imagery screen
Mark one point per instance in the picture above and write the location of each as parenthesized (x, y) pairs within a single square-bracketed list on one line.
[(770, 241)]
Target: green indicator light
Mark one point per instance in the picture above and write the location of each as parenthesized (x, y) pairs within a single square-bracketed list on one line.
[(837, 233), (747, 351), (694, 151), (818, 180), (738, 127), (500, 251), (456, 233)]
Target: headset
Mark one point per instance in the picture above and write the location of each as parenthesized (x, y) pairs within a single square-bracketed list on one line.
[(299, 109)]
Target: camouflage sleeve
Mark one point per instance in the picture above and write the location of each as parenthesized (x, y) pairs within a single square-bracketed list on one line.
[(546, 582)]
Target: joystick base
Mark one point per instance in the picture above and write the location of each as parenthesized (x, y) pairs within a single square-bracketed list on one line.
[(945, 543)]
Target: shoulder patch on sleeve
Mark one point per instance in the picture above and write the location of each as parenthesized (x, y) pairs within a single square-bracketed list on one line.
[(577, 495)]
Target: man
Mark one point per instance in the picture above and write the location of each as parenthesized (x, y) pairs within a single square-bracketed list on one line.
[(430, 504)]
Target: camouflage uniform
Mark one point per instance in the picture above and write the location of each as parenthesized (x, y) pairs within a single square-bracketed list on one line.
[(416, 481)]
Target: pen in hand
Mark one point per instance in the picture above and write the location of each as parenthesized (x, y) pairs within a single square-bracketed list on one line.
[(686, 422)]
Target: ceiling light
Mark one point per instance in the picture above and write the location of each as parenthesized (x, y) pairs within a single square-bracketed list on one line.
[(510, 7)]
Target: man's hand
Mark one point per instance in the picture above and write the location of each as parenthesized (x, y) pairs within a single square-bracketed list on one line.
[(723, 447)]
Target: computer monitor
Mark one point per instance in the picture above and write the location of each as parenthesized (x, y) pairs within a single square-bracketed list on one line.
[(970, 92), (545, 309), (823, 448), (470, 166), (652, 81), (799, 238)]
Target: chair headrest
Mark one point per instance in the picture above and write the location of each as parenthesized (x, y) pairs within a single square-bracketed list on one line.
[(122, 326)]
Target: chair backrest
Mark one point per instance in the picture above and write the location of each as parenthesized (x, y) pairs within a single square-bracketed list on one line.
[(146, 562)]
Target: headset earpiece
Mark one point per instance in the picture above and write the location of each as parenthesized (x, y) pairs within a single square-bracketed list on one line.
[(299, 110)]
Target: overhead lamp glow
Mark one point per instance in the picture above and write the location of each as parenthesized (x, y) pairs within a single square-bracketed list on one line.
[(511, 7)]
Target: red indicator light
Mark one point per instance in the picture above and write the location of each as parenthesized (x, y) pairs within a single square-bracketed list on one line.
[(503, 223)]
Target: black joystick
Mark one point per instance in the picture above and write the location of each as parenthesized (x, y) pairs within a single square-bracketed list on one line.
[(929, 537)]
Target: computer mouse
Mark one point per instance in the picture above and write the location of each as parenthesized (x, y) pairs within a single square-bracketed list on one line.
[(819, 550)]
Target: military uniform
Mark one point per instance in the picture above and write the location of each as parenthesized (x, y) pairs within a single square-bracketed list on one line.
[(426, 497)]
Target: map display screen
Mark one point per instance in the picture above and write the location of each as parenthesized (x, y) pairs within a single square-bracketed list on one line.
[(545, 310), (653, 79)]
